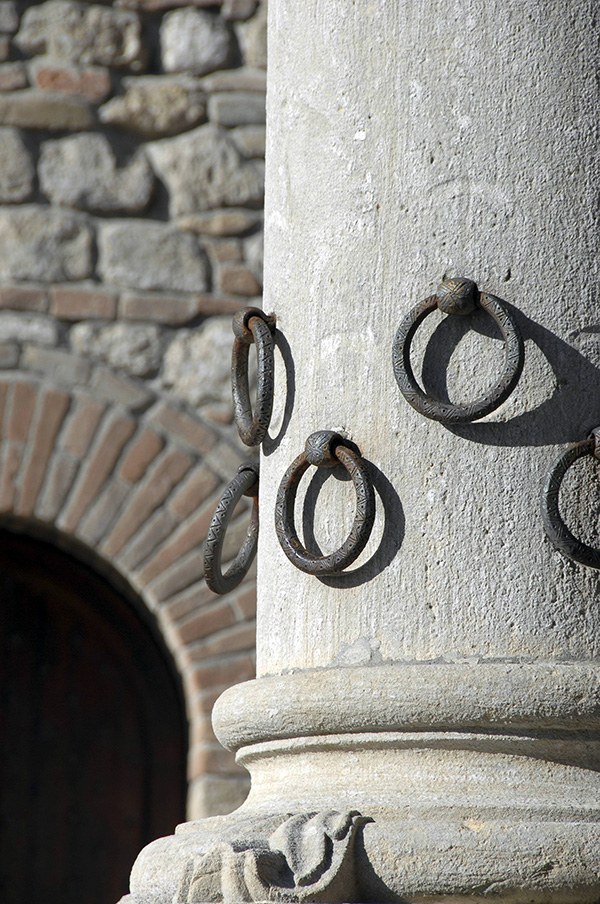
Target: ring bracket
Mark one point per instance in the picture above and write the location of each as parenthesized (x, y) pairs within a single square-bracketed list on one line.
[(245, 483), (595, 436), (458, 295), (320, 448), (240, 323)]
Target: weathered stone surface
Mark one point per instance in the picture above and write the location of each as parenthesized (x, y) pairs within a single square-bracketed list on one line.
[(132, 348), (43, 243), (31, 109), (161, 5), (27, 328), (252, 36), (238, 9), (82, 171), (9, 18), (221, 223), (156, 106), (16, 172), (137, 254), (58, 364), (237, 108), (204, 169), (197, 363), (9, 355), (245, 78), (13, 76), (82, 33), (250, 140), (92, 82), (195, 41)]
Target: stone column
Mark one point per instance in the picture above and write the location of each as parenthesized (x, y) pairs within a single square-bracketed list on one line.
[(446, 686)]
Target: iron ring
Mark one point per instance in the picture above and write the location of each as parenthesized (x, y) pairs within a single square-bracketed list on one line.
[(558, 533), (245, 483), (458, 296), (251, 325), (325, 449)]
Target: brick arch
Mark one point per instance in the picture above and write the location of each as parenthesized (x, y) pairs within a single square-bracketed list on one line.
[(136, 489)]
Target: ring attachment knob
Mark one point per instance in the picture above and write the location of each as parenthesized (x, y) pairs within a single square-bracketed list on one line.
[(325, 449), (458, 296), (251, 325), (557, 531), (245, 483)]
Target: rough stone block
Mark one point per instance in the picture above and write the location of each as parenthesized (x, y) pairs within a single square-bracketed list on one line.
[(33, 109), (9, 17), (27, 328), (252, 37), (204, 169), (250, 140), (153, 6), (195, 41), (137, 254), (82, 33), (56, 363), (4, 48), (197, 363), (9, 355), (133, 348), (82, 171), (92, 83), (237, 108), (221, 223), (244, 78), (13, 76), (114, 388), (43, 243), (156, 106), (16, 172), (239, 281), (225, 250), (82, 302), (238, 10)]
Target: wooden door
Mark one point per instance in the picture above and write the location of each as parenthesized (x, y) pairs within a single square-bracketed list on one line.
[(92, 731)]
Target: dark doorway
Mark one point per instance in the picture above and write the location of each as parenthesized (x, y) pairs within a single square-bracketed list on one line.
[(92, 731)]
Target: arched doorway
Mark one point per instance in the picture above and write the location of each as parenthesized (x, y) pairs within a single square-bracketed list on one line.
[(92, 731)]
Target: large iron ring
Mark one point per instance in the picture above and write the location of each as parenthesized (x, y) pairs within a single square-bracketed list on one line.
[(458, 296), (325, 449), (556, 529), (252, 325), (245, 483)]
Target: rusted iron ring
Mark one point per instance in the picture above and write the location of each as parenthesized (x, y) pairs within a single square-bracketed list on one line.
[(325, 449), (251, 325), (245, 483), (556, 529), (458, 296)]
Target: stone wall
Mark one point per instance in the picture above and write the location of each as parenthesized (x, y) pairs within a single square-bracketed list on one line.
[(132, 141)]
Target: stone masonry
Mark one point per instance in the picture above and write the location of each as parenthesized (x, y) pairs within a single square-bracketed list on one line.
[(132, 141)]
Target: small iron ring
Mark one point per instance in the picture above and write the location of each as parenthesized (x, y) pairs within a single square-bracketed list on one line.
[(245, 483), (447, 412), (558, 533), (251, 325), (325, 449)]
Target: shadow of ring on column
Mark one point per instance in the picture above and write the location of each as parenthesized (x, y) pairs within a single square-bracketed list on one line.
[(388, 505), (270, 443)]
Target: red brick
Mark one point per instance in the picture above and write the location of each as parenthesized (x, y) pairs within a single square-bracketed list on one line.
[(201, 730), (82, 303), (190, 535), (239, 281), (4, 48), (246, 602), (188, 601), (4, 387), (22, 403), (93, 83), (115, 388), (173, 310), (154, 531), (51, 412), (82, 426), (24, 298), (192, 493), (221, 673), (205, 623), (238, 639), (11, 461), (59, 480), (184, 427), (141, 452), (165, 474), (100, 463), (185, 572), (224, 250), (210, 758)]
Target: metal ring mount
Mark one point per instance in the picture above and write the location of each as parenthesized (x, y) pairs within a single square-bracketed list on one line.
[(556, 529), (251, 325), (325, 449), (245, 483), (458, 296)]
